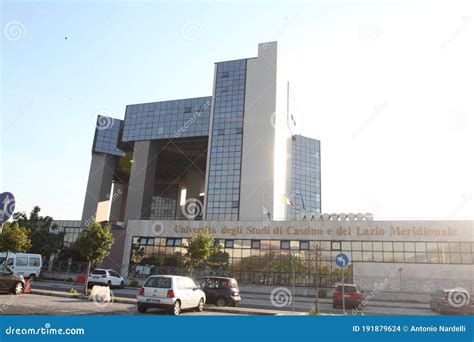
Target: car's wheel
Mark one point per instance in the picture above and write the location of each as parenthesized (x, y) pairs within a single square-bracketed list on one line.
[(221, 301), (122, 284), (200, 306), (176, 308), (109, 283), (141, 308), (18, 288)]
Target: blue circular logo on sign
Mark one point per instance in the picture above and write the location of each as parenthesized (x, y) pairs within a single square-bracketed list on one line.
[(342, 260), (7, 206)]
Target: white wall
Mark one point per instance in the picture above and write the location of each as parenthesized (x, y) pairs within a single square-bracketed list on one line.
[(257, 170), (422, 278)]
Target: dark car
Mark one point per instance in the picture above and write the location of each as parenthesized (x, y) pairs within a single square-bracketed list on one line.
[(11, 282), (452, 301), (220, 290), (353, 296)]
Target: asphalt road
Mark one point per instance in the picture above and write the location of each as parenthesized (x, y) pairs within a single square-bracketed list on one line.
[(30, 304), (262, 301)]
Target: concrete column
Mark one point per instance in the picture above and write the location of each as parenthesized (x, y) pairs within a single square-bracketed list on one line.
[(142, 180), (119, 197), (257, 169), (97, 199)]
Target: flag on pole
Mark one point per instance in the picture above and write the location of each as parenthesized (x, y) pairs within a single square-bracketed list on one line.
[(287, 200)]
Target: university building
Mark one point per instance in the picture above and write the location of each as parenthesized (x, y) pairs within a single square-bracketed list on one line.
[(232, 163)]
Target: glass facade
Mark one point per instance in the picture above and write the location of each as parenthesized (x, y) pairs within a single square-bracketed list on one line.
[(107, 136), (163, 208), (305, 177), (71, 230), (168, 119), (226, 143), (273, 261)]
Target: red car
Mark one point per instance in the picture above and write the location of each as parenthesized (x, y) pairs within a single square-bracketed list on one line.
[(352, 294)]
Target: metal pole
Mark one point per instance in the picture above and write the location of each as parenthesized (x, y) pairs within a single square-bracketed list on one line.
[(293, 299), (343, 298)]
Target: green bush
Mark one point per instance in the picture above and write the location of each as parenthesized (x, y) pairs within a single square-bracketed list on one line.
[(133, 283), (322, 293)]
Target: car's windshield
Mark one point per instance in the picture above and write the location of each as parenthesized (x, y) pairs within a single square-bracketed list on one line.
[(98, 272), (346, 288), (159, 282)]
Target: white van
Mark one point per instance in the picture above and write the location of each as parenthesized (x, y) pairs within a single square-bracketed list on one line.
[(25, 264)]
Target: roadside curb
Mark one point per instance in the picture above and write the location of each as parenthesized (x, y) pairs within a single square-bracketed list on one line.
[(80, 296), (231, 310), (249, 311)]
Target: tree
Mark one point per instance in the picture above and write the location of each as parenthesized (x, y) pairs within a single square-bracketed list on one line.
[(14, 238), (93, 244), (44, 239), (199, 249)]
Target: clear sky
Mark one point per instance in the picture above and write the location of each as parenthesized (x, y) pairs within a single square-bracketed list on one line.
[(386, 86)]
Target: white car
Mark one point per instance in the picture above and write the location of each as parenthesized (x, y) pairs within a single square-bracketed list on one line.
[(105, 277), (170, 292)]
